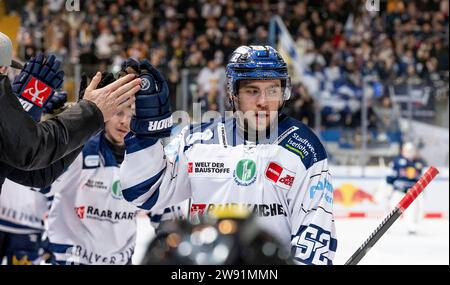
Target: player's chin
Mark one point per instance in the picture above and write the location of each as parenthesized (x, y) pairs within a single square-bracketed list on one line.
[(260, 124), (120, 135)]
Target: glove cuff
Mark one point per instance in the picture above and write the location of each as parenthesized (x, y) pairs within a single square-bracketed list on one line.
[(157, 127)]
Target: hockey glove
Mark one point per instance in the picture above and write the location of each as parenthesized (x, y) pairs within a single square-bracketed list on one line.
[(107, 78), (153, 116), (36, 83), (56, 102)]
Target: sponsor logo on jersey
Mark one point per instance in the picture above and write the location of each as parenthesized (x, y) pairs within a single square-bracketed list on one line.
[(409, 172), (116, 190), (92, 160), (207, 167), (96, 185), (279, 175), (113, 217), (79, 211), (199, 136), (325, 187), (273, 172), (198, 209), (23, 216), (287, 180), (160, 125), (259, 210), (245, 172), (301, 146), (37, 92), (81, 255)]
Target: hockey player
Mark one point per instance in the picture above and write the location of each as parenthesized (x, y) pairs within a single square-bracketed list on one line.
[(89, 221), (22, 212), (35, 154), (259, 159), (405, 171)]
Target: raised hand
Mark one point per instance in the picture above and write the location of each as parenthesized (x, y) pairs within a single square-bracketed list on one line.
[(114, 97)]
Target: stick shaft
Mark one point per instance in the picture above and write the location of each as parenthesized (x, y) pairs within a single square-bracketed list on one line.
[(410, 196)]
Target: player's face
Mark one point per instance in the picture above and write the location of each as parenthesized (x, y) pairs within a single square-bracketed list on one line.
[(409, 151), (118, 126), (259, 101)]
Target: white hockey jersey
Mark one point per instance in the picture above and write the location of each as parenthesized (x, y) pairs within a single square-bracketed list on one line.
[(22, 209), (89, 221), (284, 180)]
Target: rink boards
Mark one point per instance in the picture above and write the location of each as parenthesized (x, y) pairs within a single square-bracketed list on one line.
[(364, 193)]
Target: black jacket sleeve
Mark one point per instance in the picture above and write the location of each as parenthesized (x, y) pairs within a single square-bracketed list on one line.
[(41, 178), (28, 145)]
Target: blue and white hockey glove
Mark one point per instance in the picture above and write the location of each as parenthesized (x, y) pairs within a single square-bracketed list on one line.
[(153, 116), (36, 83), (56, 102)]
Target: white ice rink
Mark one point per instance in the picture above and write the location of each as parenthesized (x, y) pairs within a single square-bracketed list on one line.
[(429, 246)]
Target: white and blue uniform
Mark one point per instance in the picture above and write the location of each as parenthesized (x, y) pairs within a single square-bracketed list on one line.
[(89, 221), (284, 180), (22, 215), (22, 209), (403, 174)]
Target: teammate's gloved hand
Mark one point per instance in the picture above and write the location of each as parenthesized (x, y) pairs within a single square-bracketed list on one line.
[(56, 102), (36, 83), (153, 116), (107, 78)]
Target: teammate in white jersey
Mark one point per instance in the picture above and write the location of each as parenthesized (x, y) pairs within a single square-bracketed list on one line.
[(258, 158), (89, 221), (22, 213)]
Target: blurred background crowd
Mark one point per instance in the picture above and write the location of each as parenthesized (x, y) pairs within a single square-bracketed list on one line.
[(359, 66)]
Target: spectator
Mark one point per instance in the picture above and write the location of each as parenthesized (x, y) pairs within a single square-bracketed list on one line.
[(211, 84), (341, 35)]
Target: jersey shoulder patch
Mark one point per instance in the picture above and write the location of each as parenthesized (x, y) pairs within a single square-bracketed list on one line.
[(200, 133), (301, 141), (97, 153), (91, 158)]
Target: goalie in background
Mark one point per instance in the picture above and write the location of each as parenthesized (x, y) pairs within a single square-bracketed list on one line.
[(405, 171)]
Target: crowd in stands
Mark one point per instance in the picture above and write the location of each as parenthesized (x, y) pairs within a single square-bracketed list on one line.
[(345, 49)]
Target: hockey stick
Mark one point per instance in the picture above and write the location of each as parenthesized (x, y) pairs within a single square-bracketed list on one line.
[(410, 196)]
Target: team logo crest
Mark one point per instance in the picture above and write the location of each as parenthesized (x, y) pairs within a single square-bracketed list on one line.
[(245, 172), (116, 190)]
